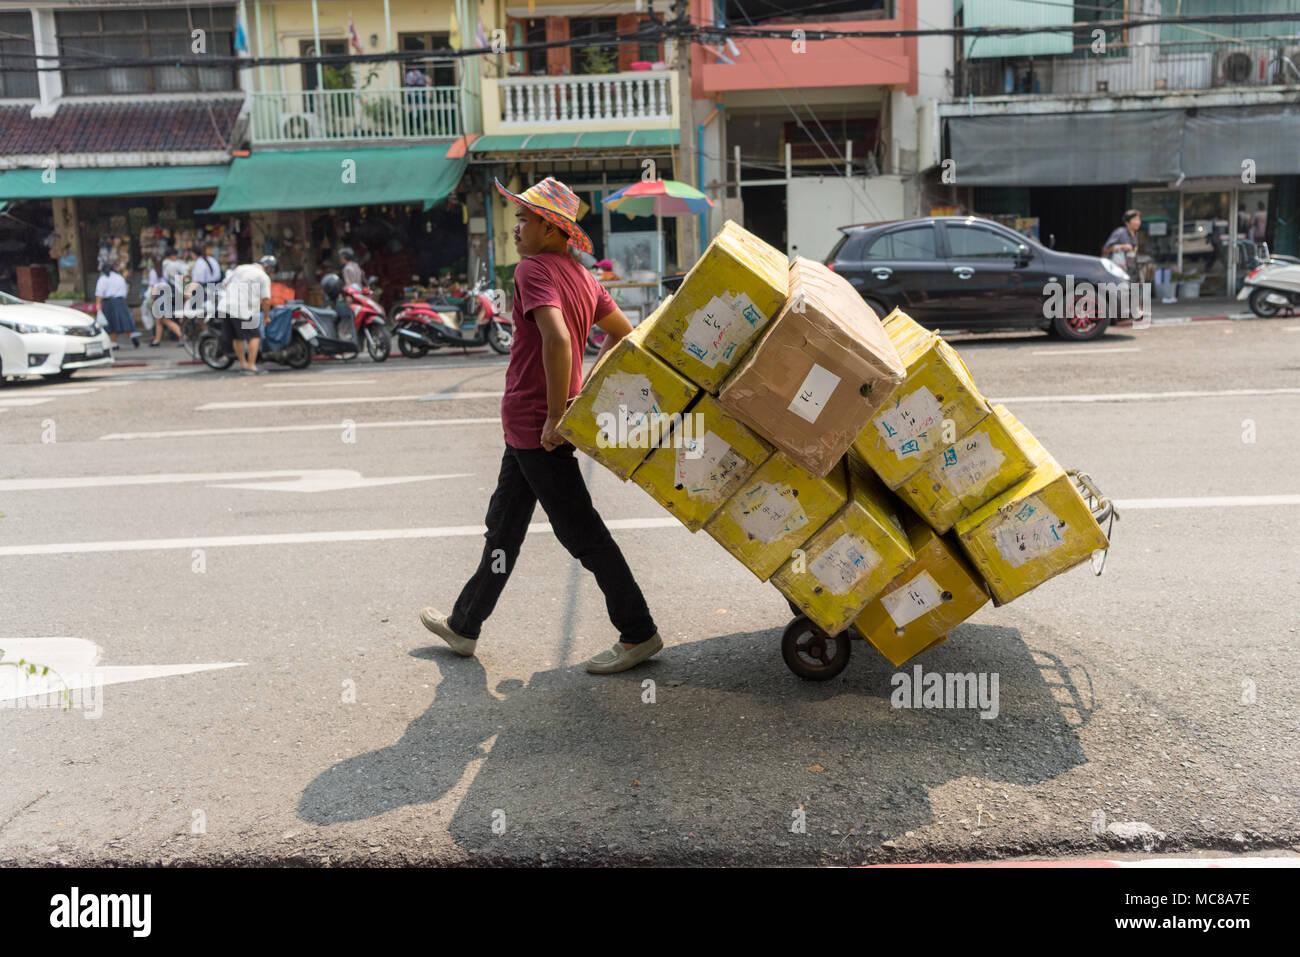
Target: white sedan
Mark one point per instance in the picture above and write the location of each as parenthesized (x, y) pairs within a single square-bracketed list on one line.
[(37, 338)]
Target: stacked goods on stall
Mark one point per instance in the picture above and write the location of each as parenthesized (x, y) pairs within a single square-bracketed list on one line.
[(823, 367)]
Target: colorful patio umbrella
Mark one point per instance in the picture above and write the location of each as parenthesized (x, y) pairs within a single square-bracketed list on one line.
[(659, 197)]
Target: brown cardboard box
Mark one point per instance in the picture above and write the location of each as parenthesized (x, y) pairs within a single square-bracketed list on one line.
[(823, 368)]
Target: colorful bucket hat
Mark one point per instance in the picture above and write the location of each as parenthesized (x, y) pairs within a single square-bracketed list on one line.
[(555, 203)]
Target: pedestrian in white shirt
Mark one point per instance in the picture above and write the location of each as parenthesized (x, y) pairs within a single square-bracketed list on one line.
[(110, 299), (159, 289), (205, 274), (245, 299)]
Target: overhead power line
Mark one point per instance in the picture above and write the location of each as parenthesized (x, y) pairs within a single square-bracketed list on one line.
[(650, 32)]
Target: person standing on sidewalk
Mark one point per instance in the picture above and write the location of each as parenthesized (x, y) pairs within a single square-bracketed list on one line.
[(1121, 244), (110, 299), (556, 303)]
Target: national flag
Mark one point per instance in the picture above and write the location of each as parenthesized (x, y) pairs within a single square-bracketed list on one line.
[(352, 35)]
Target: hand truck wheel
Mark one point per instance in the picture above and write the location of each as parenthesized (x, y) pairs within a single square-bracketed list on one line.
[(811, 653)]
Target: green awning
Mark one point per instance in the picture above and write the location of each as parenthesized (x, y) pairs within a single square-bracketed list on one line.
[(600, 139), (108, 181), (315, 179)]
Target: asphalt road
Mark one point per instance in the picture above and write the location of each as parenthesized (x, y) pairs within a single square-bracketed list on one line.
[(286, 529)]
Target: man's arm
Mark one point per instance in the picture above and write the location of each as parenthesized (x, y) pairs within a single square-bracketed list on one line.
[(557, 360), (618, 326)]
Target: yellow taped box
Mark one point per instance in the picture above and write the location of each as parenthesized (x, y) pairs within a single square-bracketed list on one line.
[(703, 464), (724, 302), (982, 463), (821, 370), (626, 406), (907, 433), (774, 512), (1033, 531), (916, 610), (847, 564)]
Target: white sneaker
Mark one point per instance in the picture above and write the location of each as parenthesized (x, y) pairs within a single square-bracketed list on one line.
[(436, 623)]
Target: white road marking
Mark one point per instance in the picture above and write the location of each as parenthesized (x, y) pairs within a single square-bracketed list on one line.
[(474, 531), (73, 664), (297, 480), (1141, 396), (1079, 352), (280, 403), (315, 385), (26, 400), (299, 538), (326, 427), (1209, 501)]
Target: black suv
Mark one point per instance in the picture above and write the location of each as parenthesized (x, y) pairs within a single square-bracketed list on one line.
[(963, 272)]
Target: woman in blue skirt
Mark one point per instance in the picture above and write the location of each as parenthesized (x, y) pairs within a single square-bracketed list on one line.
[(110, 299)]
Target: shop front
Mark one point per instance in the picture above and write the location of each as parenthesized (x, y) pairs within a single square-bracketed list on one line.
[(402, 211), (64, 226)]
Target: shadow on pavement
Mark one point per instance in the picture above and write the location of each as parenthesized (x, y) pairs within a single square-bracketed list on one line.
[(714, 769)]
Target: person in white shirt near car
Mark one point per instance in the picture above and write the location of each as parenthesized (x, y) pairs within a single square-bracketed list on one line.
[(245, 300), (110, 299)]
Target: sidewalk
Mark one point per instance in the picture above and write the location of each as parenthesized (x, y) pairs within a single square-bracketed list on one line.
[(1191, 310)]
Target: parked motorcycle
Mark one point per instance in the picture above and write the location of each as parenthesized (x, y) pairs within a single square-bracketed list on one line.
[(286, 339), (368, 320), (1272, 286), (468, 321)]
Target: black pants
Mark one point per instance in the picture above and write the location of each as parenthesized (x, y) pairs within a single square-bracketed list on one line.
[(529, 476)]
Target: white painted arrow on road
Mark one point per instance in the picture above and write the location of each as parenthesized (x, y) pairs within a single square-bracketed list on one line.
[(74, 664), (295, 480)]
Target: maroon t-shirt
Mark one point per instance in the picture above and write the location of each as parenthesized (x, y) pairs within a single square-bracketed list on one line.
[(547, 279)]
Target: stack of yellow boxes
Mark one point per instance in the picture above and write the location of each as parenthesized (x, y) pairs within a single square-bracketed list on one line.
[(908, 503)]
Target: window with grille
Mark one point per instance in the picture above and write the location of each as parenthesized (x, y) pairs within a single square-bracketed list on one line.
[(130, 35), (16, 45)]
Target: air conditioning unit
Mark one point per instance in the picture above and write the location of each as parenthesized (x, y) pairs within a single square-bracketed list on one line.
[(1242, 66), (299, 126)]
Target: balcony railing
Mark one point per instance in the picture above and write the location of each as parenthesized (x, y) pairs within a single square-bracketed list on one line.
[(323, 116), (1136, 68), (613, 98)]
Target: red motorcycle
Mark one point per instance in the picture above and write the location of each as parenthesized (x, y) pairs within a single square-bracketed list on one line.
[(368, 322), (468, 321)]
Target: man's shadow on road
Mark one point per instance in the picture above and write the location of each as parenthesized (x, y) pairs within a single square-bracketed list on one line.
[(729, 746)]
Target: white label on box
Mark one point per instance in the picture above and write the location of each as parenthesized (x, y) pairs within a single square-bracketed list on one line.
[(1029, 531), (844, 564), (815, 392), (628, 397), (716, 330), (967, 466), (703, 476), (913, 600), (767, 514), (901, 424)]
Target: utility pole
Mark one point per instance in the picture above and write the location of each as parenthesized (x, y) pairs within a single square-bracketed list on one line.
[(688, 246)]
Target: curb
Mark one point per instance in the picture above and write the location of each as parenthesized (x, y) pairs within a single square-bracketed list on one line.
[(1181, 320)]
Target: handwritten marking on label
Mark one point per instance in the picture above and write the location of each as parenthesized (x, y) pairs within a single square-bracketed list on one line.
[(814, 393), (912, 600)]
